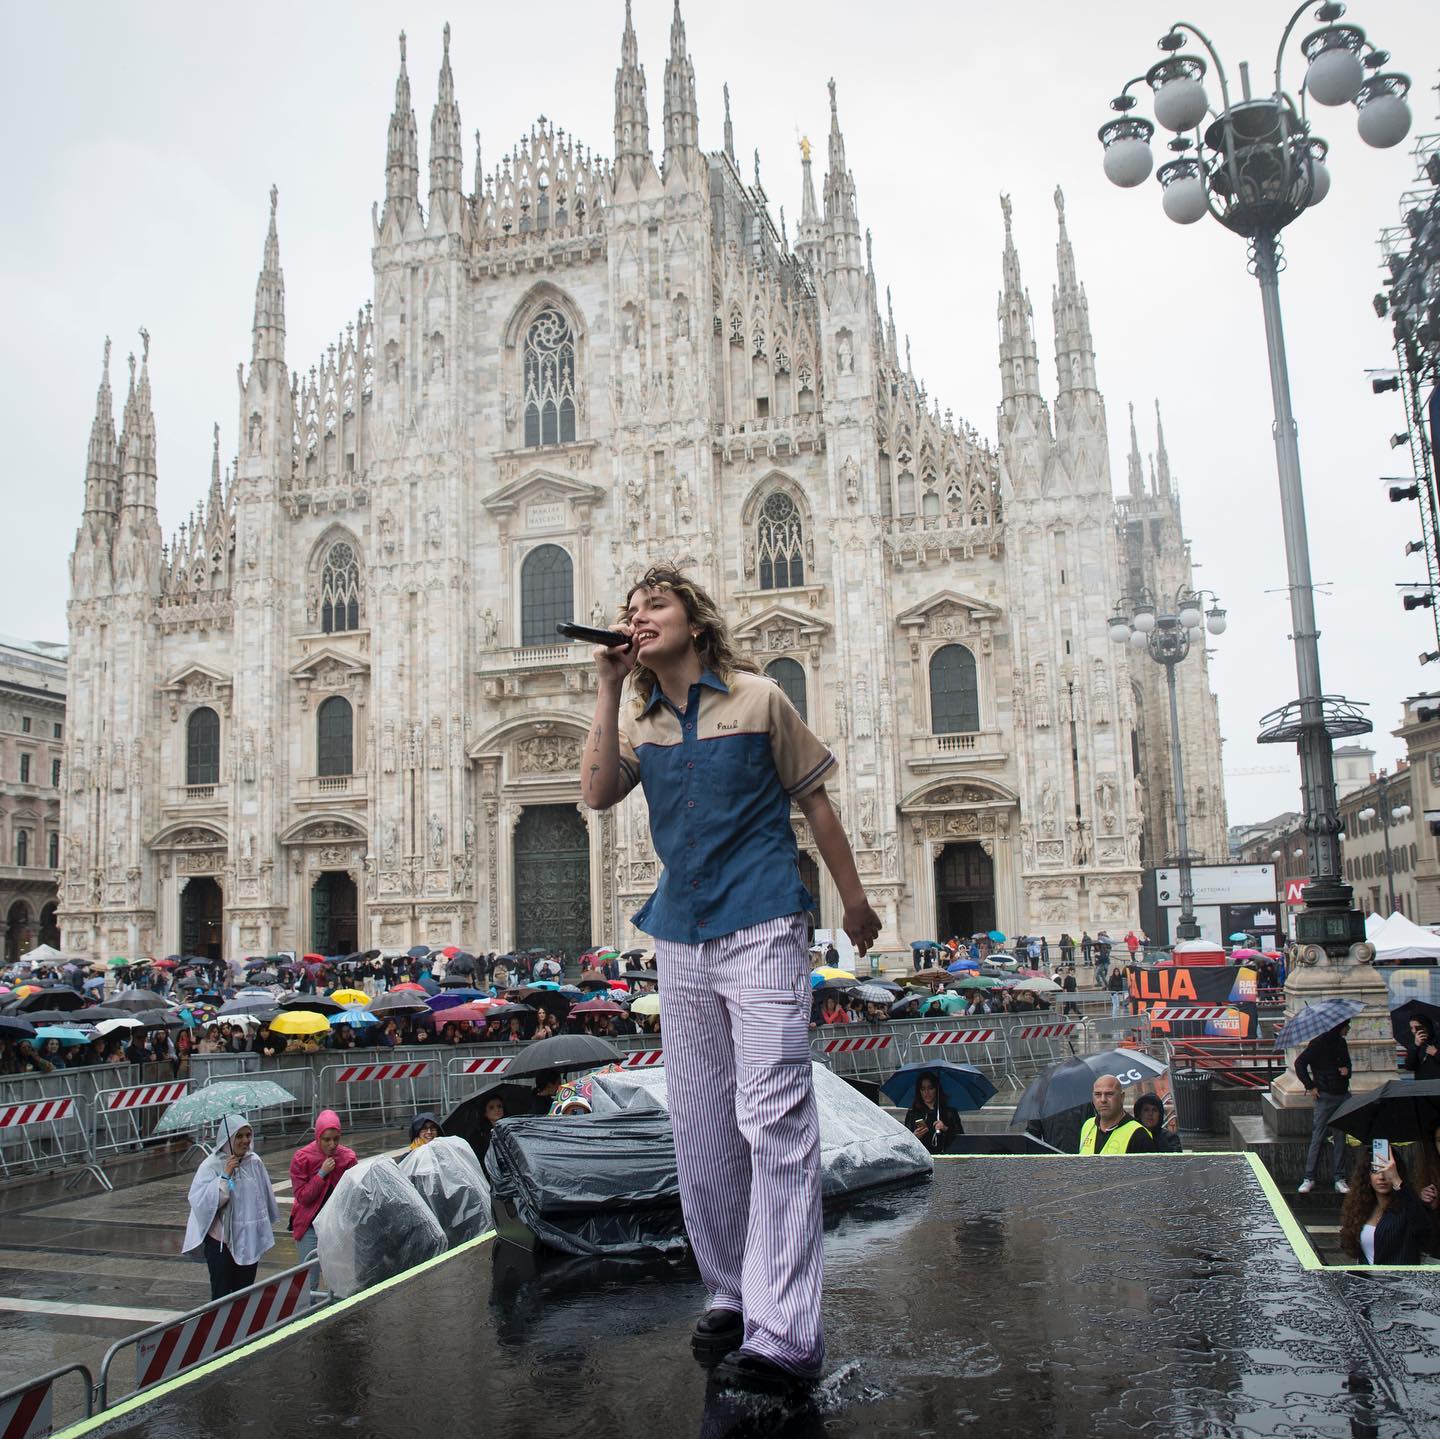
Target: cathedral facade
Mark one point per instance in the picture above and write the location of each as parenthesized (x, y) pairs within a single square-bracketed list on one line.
[(332, 711)]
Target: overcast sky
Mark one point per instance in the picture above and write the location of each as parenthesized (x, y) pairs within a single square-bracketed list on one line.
[(148, 137)]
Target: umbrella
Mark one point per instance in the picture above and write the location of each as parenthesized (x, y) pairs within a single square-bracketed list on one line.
[(135, 999), (315, 1003), (215, 1101), (428, 985), (826, 971), (565, 1051), (109, 1026), (996, 937), (14, 1026), (647, 1004), (65, 1033), (1068, 1085), (392, 1003), (1316, 1019), (349, 996), (962, 1086), (162, 964), (118, 962), (477, 1012), (906, 1007), (50, 1016), (51, 996), (550, 1000), (1244, 954), (1400, 1110), (161, 1018), (418, 951), (455, 996), (1039, 985), (462, 964), (357, 1016), (408, 988), (1401, 1016), (597, 1006), (1129, 1066), (964, 963), (1239, 937), (928, 976), (248, 1004), (299, 1021), (944, 1004), (835, 986), (924, 944), (981, 981), (866, 994)]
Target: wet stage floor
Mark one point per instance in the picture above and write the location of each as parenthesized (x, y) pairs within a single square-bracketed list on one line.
[(1016, 1296)]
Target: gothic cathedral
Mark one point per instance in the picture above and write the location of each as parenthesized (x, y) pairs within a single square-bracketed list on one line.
[(332, 712)]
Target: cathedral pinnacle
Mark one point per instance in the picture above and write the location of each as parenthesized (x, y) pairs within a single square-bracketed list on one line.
[(446, 161), (402, 165), (632, 118), (268, 328), (1162, 456), (840, 213), (682, 122), (1074, 347), (729, 128), (1136, 464), (1019, 364), (101, 474), (137, 480)]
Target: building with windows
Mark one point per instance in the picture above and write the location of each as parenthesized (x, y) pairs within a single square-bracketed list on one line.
[(1382, 827), (332, 710), (32, 747)]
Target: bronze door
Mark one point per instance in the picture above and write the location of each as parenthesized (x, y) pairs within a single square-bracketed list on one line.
[(552, 880)]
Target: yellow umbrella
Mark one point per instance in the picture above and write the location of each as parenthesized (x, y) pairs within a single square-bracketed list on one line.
[(299, 1021), (828, 972), (348, 996), (646, 1004)]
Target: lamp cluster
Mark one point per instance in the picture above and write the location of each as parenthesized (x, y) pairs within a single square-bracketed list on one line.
[(1137, 627), (1255, 165)]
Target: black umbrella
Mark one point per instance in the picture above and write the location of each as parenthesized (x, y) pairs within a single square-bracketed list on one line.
[(547, 999), (418, 951), (508, 1011), (318, 1003), (403, 1002), (455, 980), (649, 976), (94, 1014), (428, 984), (467, 1120), (251, 1004), (131, 1000), (370, 954), (908, 1006), (161, 1018), (565, 1051), (835, 985), (1401, 1016), (1066, 1086), (47, 1016), (599, 982), (1403, 1109), (12, 1026), (52, 996)]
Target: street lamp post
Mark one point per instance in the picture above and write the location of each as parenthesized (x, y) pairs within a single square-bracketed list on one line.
[(1255, 166), (1167, 638), (1400, 812)]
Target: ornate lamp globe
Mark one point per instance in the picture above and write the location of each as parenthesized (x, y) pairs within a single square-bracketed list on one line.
[(1215, 620), (1128, 160), (1335, 73), (1190, 615), (1180, 99), (1196, 634), (1119, 629), (1384, 116), (1319, 171), (1138, 640), (1184, 200)]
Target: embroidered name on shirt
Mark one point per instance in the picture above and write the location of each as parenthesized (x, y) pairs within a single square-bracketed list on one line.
[(734, 724)]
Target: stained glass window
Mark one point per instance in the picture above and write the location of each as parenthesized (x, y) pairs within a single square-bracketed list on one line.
[(549, 380), (781, 543), (340, 589)]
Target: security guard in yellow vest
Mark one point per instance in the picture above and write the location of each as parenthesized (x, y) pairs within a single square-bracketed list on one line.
[(1111, 1130)]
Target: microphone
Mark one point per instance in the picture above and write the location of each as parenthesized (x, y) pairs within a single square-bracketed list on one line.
[(611, 639)]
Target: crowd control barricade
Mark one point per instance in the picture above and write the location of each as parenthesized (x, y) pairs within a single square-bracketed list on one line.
[(49, 1130), (1037, 1045), (27, 1410), (872, 1054), (383, 1087), (169, 1348), (977, 1041), (125, 1117), (467, 1076)]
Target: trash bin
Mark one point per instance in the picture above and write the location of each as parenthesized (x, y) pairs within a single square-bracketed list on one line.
[(1192, 1088), (874, 963)]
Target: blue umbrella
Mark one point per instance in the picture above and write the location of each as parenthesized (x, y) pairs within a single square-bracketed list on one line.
[(1239, 937), (962, 1086), (352, 1015), (1317, 1019), (924, 944), (63, 1033), (996, 937), (964, 963)]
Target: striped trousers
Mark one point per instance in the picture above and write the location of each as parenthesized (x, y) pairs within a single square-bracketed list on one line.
[(735, 1017)]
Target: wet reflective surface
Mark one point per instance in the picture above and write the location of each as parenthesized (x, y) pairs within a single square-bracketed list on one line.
[(1055, 1296)]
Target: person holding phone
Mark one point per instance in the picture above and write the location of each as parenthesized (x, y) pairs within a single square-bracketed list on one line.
[(1382, 1220), (721, 754)]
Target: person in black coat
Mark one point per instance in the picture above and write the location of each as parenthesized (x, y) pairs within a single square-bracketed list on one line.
[(1422, 1054), (1150, 1111), (930, 1120), (1383, 1220)]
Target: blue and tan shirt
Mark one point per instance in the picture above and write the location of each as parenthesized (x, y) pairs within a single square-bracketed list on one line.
[(719, 776)]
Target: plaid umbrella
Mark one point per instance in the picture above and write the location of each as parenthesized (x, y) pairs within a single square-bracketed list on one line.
[(1317, 1019), (867, 994), (215, 1101)]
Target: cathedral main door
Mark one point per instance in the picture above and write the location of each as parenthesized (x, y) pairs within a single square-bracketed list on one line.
[(202, 907), (552, 880), (964, 891), (333, 907)]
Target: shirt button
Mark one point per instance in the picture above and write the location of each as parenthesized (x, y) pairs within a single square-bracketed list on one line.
[(689, 804), (690, 764), (691, 845), (694, 884)]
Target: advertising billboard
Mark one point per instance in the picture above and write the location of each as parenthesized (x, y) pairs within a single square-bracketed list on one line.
[(1217, 884)]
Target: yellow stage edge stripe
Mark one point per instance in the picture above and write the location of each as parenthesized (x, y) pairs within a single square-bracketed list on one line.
[(285, 1331), (1290, 1226)]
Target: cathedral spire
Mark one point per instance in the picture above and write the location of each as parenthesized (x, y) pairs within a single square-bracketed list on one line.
[(268, 329), (1162, 459), (840, 217), (479, 172), (807, 235), (137, 481), (100, 467), (216, 500), (1019, 365), (1074, 347), (402, 165), (632, 118), (729, 128), (446, 161), (682, 122), (1136, 464)]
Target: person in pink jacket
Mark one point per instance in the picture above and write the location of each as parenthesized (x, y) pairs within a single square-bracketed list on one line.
[(315, 1170)]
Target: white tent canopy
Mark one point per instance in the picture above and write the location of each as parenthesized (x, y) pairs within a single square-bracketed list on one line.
[(42, 954), (1374, 923), (1399, 938)]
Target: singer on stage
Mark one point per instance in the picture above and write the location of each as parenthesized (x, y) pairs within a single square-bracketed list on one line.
[(721, 753)]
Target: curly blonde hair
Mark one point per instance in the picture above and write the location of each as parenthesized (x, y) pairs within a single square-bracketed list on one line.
[(713, 644)]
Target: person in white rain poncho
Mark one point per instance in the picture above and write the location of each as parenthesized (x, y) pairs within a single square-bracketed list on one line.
[(232, 1209)]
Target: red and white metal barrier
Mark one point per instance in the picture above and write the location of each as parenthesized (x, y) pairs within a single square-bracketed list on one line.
[(143, 1096), (50, 1132), (493, 1064), (1045, 1031), (1186, 1012), (396, 1084), (955, 1036), (121, 1117), (36, 1111), (642, 1058), (164, 1350), (27, 1411), (855, 1044), (366, 1073)]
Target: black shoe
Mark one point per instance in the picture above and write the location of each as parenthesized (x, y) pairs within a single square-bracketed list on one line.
[(756, 1375), (717, 1332)]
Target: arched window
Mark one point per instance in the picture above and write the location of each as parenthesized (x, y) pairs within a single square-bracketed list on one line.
[(202, 747), (791, 678), (22, 848), (549, 380), (54, 857), (954, 696), (547, 594), (781, 543), (340, 589), (334, 737)]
